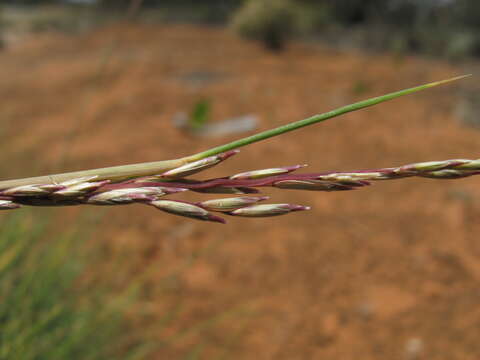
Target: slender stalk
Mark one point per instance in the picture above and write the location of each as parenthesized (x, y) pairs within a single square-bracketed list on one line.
[(123, 172), (318, 118)]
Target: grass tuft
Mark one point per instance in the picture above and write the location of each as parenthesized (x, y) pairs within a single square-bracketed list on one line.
[(46, 310)]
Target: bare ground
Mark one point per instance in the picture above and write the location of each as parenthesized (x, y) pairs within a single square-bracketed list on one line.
[(387, 272)]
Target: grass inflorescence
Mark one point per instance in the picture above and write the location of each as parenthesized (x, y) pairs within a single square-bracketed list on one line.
[(148, 183)]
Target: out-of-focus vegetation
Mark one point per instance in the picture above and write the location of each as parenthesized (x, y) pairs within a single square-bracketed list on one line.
[(446, 28), (270, 21), (192, 11), (200, 114), (56, 303), (435, 27), (1, 34), (275, 21), (47, 308)]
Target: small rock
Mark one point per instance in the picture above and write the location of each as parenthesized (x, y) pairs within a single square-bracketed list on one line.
[(413, 349)]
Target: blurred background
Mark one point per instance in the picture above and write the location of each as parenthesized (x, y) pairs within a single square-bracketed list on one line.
[(388, 272)]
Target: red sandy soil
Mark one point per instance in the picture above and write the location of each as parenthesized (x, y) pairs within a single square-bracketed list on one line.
[(387, 272)]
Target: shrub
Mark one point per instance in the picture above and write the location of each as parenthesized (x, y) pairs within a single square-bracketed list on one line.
[(2, 42), (270, 21)]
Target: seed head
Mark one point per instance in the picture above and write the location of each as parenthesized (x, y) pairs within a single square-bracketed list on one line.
[(125, 196), (78, 180), (266, 210), (80, 189), (8, 205), (32, 190), (313, 185), (258, 174), (197, 166), (469, 165), (185, 209), (229, 204), (448, 174), (352, 176), (424, 166)]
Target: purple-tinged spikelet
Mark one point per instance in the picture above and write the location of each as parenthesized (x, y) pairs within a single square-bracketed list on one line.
[(266, 210), (125, 196), (259, 174), (8, 205), (79, 189), (423, 166), (76, 181), (197, 166), (186, 209), (230, 204), (469, 165), (352, 176), (448, 174), (312, 185)]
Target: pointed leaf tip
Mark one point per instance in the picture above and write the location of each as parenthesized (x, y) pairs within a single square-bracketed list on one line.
[(441, 82)]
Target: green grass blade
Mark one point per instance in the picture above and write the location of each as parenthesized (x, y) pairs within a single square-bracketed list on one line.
[(318, 118)]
